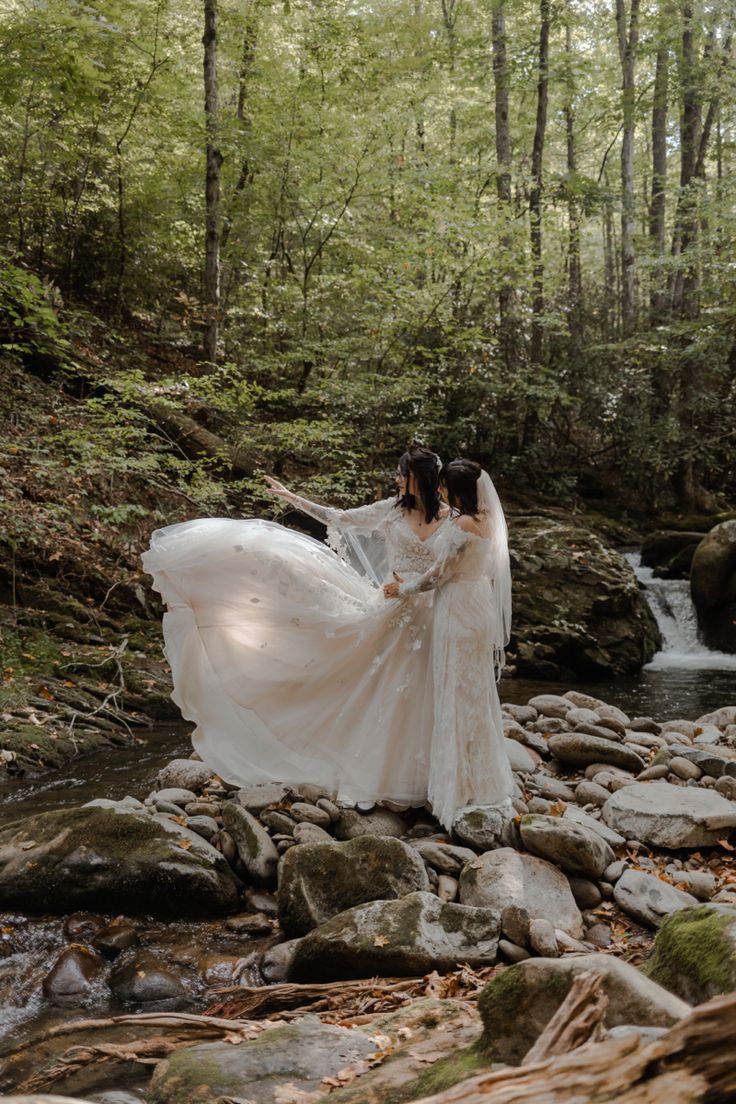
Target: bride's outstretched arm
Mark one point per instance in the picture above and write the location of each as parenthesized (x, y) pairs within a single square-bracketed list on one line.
[(360, 517)]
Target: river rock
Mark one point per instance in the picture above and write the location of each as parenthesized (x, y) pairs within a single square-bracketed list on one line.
[(647, 898), (444, 857), (551, 705), (292, 1057), (694, 953), (578, 608), (380, 822), (588, 792), (521, 758), (310, 833), (713, 586), (143, 978), (506, 877), (113, 861), (574, 847), (721, 718), (303, 812), (185, 774), (114, 938), (518, 1003), (482, 827), (260, 795), (663, 815), (256, 849), (580, 749), (71, 978), (403, 938), (579, 816), (173, 795), (319, 880), (275, 962)]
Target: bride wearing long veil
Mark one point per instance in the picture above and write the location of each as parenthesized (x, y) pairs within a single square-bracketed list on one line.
[(294, 666)]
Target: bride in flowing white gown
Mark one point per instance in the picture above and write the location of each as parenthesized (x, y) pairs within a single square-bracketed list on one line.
[(471, 579), (290, 662)]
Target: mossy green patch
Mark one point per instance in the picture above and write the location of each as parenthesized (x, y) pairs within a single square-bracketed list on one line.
[(463, 1063), (693, 957), (189, 1078)]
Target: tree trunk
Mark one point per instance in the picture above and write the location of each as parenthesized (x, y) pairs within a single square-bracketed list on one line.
[(627, 45), (503, 178), (574, 268), (535, 199), (657, 209), (212, 185)]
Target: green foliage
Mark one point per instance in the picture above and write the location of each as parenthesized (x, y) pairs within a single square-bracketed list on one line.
[(28, 323)]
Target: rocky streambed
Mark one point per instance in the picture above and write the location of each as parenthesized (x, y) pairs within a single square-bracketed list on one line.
[(363, 953)]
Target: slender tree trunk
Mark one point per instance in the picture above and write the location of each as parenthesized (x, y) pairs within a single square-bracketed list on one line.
[(503, 177), (657, 209), (574, 268), (627, 46), (212, 185), (535, 198)]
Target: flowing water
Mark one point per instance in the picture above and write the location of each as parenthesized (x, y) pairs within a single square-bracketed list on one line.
[(685, 679)]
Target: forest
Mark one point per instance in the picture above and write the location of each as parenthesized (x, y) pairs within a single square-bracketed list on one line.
[(291, 236)]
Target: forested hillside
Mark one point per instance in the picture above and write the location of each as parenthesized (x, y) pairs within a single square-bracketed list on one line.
[(503, 227)]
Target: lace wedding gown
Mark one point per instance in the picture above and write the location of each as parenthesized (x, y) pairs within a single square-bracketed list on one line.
[(291, 663), (468, 761)]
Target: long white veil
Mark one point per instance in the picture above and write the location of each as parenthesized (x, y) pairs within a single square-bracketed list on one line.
[(498, 567)]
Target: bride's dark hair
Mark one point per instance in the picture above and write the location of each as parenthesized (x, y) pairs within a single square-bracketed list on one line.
[(460, 479), (424, 465)]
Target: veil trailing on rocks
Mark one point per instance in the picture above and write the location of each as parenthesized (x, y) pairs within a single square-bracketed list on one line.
[(498, 566)]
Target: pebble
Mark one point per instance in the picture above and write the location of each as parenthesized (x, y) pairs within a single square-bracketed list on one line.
[(114, 938), (515, 923), (586, 893), (683, 768), (202, 808), (283, 845), (311, 833), (257, 900), (540, 805), (277, 821), (227, 846), (542, 937), (600, 935), (250, 923), (447, 887), (726, 787), (613, 872), (650, 774), (205, 826), (174, 794), (329, 807), (511, 952), (588, 792)]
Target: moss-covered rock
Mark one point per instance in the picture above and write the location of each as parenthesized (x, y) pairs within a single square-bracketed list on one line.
[(578, 609), (694, 953), (112, 860), (299, 1055), (319, 880), (713, 586), (407, 938), (518, 1004)]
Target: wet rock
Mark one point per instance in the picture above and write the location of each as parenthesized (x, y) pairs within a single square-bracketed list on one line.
[(70, 980), (574, 847), (276, 961), (257, 900), (82, 926), (319, 880), (256, 849), (381, 822), (143, 978), (647, 898), (298, 1055), (114, 938), (505, 877), (259, 796), (113, 861), (185, 774), (222, 969), (580, 749), (694, 953), (250, 923), (713, 586), (663, 815), (482, 827), (405, 938), (527, 996)]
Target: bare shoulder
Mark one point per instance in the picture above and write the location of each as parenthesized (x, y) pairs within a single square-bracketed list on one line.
[(468, 524)]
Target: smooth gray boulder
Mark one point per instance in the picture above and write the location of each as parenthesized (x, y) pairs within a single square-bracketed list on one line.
[(580, 749), (647, 898), (296, 1055), (574, 847), (184, 774), (506, 877), (403, 938), (518, 1003), (319, 880), (579, 816), (483, 827), (114, 860), (260, 795), (256, 849), (663, 815), (379, 822)]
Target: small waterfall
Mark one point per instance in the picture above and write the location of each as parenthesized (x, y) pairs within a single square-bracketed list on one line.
[(672, 606)]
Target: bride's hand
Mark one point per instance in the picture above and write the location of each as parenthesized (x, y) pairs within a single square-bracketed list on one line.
[(391, 590), (274, 487)]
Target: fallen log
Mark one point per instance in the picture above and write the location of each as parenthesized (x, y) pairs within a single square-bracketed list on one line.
[(691, 1064)]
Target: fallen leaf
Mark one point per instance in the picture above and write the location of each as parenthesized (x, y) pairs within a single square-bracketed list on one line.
[(45, 693), (185, 844), (726, 845), (380, 940)]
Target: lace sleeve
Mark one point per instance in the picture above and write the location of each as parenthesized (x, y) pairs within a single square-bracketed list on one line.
[(444, 566), (363, 518)]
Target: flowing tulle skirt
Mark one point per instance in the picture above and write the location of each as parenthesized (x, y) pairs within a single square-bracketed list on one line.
[(294, 667)]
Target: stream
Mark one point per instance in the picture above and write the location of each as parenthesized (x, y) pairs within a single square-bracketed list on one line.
[(685, 679)]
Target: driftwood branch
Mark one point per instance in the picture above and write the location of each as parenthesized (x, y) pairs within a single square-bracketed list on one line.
[(578, 1020), (691, 1064)]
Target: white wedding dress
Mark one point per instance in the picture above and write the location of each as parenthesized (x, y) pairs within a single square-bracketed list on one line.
[(295, 668)]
